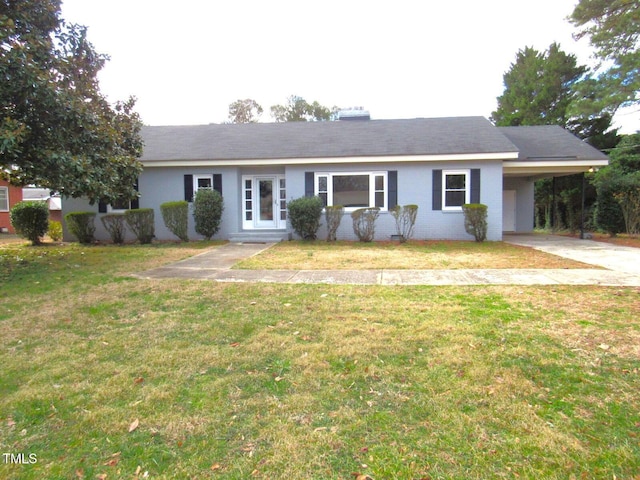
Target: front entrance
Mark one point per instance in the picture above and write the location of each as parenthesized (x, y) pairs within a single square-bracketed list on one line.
[(264, 204)]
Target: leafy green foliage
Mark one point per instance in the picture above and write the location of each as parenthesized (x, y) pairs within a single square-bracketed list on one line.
[(82, 226), (115, 224), (613, 28), (30, 219), (620, 181), (56, 128), (55, 230), (364, 223), (298, 109), (405, 217), (245, 111), (475, 220), (304, 215), (333, 215), (208, 206), (141, 222), (176, 218)]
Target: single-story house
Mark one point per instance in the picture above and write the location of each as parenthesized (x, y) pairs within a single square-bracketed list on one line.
[(9, 196), (436, 163)]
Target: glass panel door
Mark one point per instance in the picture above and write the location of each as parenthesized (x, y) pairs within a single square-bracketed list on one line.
[(266, 216)]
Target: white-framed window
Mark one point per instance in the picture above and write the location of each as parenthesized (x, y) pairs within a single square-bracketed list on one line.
[(352, 190), (4, 199), (202, 181), (118, 206), (456, 189)]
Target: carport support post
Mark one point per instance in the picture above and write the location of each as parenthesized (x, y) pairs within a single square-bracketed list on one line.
[(582, 209)]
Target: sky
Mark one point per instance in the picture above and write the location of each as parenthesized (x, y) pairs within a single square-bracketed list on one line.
[(186, 61)]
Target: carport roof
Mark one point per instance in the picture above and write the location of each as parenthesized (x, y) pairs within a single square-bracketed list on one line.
[(547, 150)]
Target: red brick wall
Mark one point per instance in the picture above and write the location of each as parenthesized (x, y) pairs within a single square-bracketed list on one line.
[(15, 196)]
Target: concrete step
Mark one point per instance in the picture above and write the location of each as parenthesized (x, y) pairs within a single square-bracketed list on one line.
[(261, 236)]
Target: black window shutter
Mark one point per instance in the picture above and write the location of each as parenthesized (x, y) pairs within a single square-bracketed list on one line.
[(188, 188), (217, 182), (475, 185), (309, 189), (135, 203), (392, 177), (437, 189), (102, 207)]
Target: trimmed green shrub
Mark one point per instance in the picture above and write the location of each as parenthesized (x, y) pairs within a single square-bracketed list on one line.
[(30, 219), (55, 230), (364, 223), (304, 215), (475, 220), (333, 215), (115, 224), (208, 206), (405, 217), (141, 223), (81, 225), (176, 218)]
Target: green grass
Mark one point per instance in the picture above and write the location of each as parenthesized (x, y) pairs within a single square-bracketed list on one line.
[(234, 381)]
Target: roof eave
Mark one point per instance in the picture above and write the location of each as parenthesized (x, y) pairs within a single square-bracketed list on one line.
[(551, 167), (458, 157)]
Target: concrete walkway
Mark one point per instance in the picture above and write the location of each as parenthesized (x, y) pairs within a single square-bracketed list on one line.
[(622, 263)]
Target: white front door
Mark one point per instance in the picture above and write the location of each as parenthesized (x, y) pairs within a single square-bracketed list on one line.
[(509, 211), (264, 202)]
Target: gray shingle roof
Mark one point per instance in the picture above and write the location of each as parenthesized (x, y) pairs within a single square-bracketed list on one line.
[(423, 136), (549, 142)]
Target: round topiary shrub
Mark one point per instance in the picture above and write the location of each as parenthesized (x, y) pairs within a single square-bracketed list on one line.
[(304, 215), (207, 212), (30, 219)]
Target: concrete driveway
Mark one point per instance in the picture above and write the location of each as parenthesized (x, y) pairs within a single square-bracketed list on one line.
[(602, 254), (621, 264)]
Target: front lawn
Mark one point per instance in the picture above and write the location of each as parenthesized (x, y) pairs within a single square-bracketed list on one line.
[(451, 255), (108, 376)]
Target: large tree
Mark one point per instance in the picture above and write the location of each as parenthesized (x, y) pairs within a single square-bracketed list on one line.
[(56, 128), (245, 111), (298, 109), (613, 28), (538, 88)]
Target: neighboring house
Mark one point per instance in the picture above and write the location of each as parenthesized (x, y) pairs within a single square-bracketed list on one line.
[(436, 163), (54, 202), (9, 196)]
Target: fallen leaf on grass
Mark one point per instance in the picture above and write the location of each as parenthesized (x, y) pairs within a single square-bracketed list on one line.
[(134, 425), (234, 344), (216, 466), (138, 380), (79, 473), (361, 476)]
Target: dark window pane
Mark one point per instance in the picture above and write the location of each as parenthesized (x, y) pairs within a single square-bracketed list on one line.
[(351, 191), (379, 182), (454, 182), (323, 196), (380, 199), (322, 184), (204, 183), (454, 199), (120, 204), (247, 184)]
